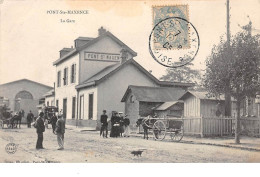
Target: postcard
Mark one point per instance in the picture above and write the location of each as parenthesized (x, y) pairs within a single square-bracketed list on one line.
[(129, 81)]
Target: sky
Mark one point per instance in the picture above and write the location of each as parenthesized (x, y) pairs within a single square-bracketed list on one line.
[(31, 38)]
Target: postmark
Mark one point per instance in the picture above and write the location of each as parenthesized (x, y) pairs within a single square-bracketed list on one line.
[(11, 148), (174, 42), (172, 31)]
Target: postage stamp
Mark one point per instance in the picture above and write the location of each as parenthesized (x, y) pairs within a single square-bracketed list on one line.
[(170, 50), (173, 32)]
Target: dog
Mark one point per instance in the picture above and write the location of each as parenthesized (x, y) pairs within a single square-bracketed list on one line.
[(136, 153)]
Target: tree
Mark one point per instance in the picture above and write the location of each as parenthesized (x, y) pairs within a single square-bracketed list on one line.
[(182, 74), (236, 69)]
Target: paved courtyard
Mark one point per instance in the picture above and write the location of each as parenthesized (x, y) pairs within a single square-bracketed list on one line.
[(89, 147)]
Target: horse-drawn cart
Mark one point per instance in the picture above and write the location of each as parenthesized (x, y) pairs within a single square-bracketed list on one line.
[(162, 126)]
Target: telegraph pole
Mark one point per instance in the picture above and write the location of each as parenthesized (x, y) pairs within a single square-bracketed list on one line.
[(227, 92)]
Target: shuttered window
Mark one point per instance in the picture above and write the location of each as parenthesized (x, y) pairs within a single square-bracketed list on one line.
[(73, 73), (58, 79), (65, 76)]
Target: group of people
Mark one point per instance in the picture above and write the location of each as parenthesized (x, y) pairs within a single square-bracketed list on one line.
[(58, 129), (119, 125)]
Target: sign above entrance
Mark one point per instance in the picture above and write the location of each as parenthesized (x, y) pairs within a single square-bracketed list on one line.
[(101, 56)]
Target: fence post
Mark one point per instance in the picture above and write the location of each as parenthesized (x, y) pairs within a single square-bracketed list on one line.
[(221, 125), (201, 127)]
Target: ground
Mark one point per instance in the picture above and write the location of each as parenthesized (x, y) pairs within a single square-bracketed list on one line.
[(88, 146)]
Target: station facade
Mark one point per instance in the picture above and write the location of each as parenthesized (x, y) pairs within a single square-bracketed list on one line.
[(94, 75)]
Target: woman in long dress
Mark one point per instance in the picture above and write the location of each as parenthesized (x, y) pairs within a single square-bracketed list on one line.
[(113, 121)]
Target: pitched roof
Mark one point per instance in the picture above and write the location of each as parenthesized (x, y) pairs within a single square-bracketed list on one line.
[(166, 105), (66, 49), (202, 95), (49, 93), (153, 94), (112, 69), (26, 80), (91, 42), (99, 75)]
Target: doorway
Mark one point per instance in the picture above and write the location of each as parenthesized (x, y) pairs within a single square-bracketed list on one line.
[(65, 108)]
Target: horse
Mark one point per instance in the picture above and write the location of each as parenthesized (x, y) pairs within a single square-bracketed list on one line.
[(147, 124), (17, 119)]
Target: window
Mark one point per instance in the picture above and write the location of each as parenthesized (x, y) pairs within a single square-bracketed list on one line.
[(73, 107), (90, 106), (65, 76), (58, 79), (47, 103), (73, 73), (131, 99)]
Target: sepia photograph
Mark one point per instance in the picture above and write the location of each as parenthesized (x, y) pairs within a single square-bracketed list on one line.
[(129, 81)]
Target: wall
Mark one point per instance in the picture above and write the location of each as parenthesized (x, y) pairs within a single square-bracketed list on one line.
[(192, 107), (132, 109), (86, 92), (67, 91), (10, 90), (50, 99), (145, 108), (88, 67), (173, 111), (209, 107), (111, 91)]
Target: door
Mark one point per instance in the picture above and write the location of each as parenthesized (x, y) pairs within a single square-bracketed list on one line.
[(81, 107), (90, 106), (73, 107), (65, 108)]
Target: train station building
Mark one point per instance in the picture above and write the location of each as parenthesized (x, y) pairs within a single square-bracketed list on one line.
[(23, 94), (94, 75)]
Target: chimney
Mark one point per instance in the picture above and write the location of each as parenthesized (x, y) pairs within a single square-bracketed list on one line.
[(65, 51), (101, 31), (123, 55)]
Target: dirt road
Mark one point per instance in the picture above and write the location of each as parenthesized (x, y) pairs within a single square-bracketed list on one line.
[(90, 147)]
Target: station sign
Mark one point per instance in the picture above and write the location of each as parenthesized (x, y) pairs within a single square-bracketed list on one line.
[(102, 56)]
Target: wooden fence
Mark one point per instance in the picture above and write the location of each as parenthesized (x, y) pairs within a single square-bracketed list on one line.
[(250, 126), (220, 126), (217, 126)]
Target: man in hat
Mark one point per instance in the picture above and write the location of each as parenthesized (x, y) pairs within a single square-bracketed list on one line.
[(60, 130), (29, 119), (104, 124), (40, 128)]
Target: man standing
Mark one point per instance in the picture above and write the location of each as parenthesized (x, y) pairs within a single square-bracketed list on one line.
[(40, 128), (29, 118), (53, 122), (104, 124), (60, 130)]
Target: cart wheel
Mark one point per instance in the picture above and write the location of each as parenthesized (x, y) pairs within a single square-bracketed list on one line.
[(177, 135), (159, 130)]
